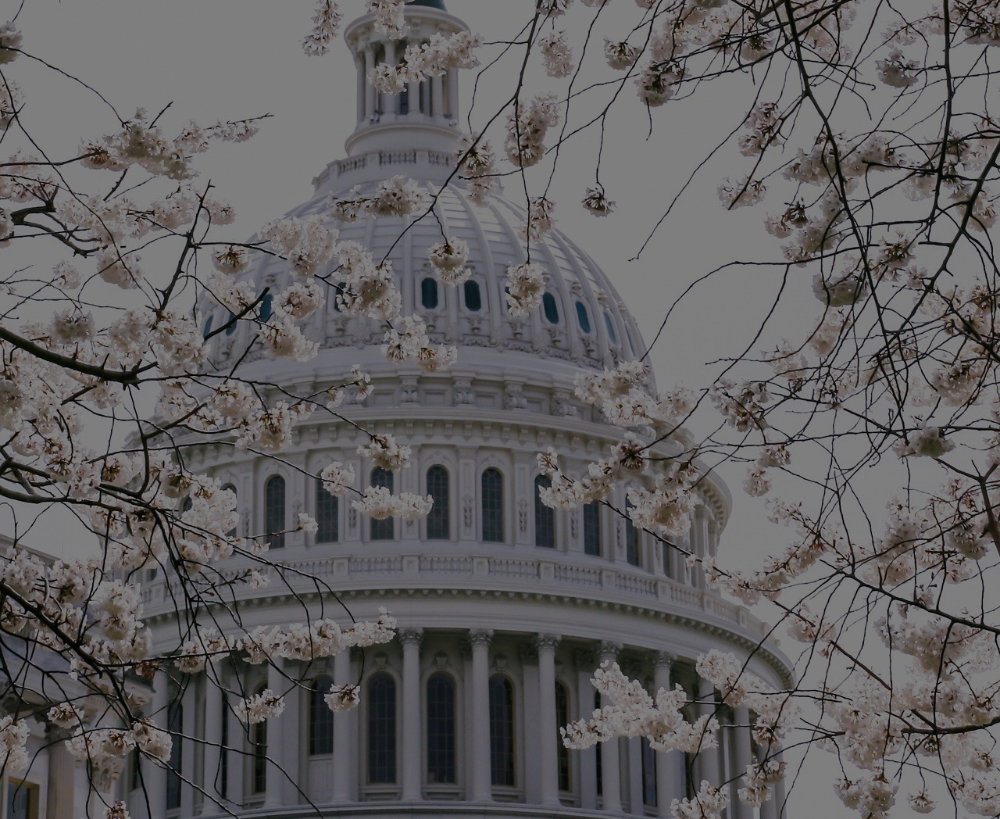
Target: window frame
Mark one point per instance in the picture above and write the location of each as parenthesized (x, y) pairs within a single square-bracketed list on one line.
[(512, 723), (274, 531), (319, 686), (384, 529), (440, 674), (496, 517), (327, 506), (442, 505), (545, 517), (392, 756)]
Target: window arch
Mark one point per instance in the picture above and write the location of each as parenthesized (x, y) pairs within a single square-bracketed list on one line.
[(440, 729), (382, 529), (545, 516), (274, 511), (429, 294), (562, 718), (438, 527), (258, 753), (501, 730), (175, 727), (327, 514), (492, 502), (473, 296), (592, 528), (550, 309), (631, 537), (582, 317), (320, 717), (381, 729), (231, 488)]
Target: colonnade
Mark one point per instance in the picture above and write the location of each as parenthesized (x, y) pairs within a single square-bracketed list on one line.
[(618, 788)]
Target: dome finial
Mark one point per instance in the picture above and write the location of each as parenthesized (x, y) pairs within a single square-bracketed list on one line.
[(424, 115)]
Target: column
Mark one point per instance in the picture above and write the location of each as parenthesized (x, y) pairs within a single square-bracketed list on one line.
[(437, 93), (369, 88), (412, 756), (549, 730), (635, 804), (742, 757), (274, 778), (708, 759), (669, 765), (610, 761), (213, 742), (154, 776), (779, 795), (188, 773), (453, 93), (586, 662), (482, 785), (291, 744), (62, 774), (344, 747), (236, 736)]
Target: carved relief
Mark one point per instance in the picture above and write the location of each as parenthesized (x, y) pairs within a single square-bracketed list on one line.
[(409, 391), (467, 511), (522, 515)]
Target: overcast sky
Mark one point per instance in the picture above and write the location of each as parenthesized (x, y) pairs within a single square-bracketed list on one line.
[(231, 59)]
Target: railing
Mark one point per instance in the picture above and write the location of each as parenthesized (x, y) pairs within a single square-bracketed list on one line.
[(525, 573)]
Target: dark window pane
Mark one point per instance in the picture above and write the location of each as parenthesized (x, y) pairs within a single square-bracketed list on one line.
[(648, 773), (338, 290), (19, 798), (440, 729), (320, 718), (274, 511), (592, 528), (175, 726), (382, 529), (631, 538), (473, 298), (611, 328), (562, 720), (381, 730), (231, 324), (549, 308), (501, 730), (208, 326), (224, 751), (582, 317), (492, 506), (258, 749), (429, 294), (545, 517), (437, 518), (327, 514), (599, 775), (265, 307)]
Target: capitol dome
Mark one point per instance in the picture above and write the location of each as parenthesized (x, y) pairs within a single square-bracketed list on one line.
[(505, 607)]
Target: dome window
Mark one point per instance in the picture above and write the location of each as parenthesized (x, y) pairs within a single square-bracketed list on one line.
[(274, 511), (381, 730), (320, 718), (231, 324), (611, 328), (208, 326), (382, 529), (545, 516), (550, 309), (338, 291), (265, 307), (327, 514), (473, 297), (440, 729), (429, 294), (582, 317), (501, 731)]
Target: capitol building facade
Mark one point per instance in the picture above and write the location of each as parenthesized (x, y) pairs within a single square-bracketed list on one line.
[(505, 607)]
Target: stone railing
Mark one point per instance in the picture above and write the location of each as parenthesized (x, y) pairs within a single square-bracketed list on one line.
[(522, 573)]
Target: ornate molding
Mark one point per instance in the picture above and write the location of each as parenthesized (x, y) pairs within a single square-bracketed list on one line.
[(610, 651), (547, 641), (410, 635), (480, 637)]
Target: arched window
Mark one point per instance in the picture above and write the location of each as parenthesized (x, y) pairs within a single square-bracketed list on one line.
[(274, 511), (258, 753), (231, 488), (231, 324), (582, 317), (381, 730), (473, 298), (327, 514), (437, 519), (592, 528), (175, 726), (338, 292), (224, 750), (631, 538), (545, 516), (599, 776), (550, 309), (208, 326), (429, 294), (266, 307), (648, 773), (611, 328), (320, 718), (492, 500), (440, 729), (562, 719), (501, 730), (382, 529)]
